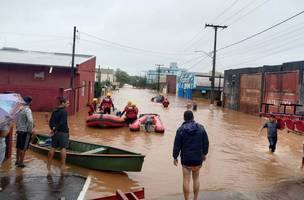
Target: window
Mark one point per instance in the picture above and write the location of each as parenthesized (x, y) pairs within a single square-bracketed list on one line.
[(82, 88)]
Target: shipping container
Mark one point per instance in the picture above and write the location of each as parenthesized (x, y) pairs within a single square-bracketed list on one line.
[(171, 84), (250, 93), (281, 88)]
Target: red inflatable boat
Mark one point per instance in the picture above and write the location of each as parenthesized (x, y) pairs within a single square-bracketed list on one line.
[(157, 124), (104, 120)]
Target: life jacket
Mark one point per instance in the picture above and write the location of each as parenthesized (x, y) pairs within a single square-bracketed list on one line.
[(131, 112), (106, 103)]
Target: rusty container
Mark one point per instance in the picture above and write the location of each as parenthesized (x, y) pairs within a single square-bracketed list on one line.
[(250, 93), (281, 88), (171, 84)]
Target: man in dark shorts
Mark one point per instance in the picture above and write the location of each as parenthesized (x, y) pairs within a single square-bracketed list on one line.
[(191, 142), (272, 133), (24, 130), (60, 133)]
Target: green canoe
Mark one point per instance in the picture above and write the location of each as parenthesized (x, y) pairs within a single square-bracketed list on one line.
[(93, 156)]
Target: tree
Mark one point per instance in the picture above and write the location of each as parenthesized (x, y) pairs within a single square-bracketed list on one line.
[(122, 77), (97, 90)]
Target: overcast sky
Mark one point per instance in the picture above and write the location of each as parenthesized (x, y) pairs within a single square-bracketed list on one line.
[(142, 33)]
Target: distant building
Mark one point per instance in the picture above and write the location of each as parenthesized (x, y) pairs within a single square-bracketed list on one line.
[(106, 74), (152, 75), (194, 84), (46, 76)]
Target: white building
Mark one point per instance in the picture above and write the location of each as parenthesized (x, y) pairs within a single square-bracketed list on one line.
[(105, 75)]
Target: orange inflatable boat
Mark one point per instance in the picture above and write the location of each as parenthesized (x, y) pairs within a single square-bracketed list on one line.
[(105, 120), (155, 122)]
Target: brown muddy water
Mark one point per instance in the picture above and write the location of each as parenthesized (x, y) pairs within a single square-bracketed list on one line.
[(238, 159)]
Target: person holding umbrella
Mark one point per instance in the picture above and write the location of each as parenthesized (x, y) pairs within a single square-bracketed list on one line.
[(10, 105), (4, 130)]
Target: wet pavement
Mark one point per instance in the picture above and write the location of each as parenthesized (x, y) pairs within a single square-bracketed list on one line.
[(238, 162), (51, 187)]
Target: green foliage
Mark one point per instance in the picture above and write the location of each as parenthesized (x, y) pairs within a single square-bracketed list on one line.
[(97, 90), (124, 78), (138, 82)]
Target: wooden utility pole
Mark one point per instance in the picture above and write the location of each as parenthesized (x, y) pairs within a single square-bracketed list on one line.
[(72, 86), (214, 59), (99, 75), (158, 75), (73, 58)]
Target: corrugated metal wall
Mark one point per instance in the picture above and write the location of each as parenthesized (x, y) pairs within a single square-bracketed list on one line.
[(278, 84), (250, 93), (281, 87)]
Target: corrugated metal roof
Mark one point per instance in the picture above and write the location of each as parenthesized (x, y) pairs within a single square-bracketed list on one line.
[(13, 55)]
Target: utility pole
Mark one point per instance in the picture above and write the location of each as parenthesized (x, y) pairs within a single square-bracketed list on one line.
[(72, 86), (73, 58), (214, 58), (99, 75), (158, 75)]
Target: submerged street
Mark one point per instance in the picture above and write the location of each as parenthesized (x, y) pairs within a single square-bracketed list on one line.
[(238, 159)]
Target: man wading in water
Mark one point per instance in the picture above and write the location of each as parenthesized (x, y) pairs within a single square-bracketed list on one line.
[(272, 133), (191, 142)]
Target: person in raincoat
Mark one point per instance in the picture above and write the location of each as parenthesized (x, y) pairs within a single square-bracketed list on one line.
[(93, 107), (192, 144), (107, 104)]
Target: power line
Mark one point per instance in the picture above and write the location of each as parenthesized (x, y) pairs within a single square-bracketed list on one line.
[(269, 52), (239, 11), (249, 12), (133, 48), (225, 10), (263, 31), (283, 36), (188, 44), (199, 61), (190, 60)]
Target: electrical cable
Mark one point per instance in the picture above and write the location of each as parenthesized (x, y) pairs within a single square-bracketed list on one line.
[(263, 31), (130, 47), (249, 12)]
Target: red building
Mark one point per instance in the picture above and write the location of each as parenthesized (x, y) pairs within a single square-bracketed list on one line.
[(47, 76)]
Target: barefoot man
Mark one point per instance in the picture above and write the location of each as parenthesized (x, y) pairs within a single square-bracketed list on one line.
[(191, 142), (60, 133)]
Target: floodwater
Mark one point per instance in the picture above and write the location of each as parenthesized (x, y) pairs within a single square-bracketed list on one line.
[(238, 159)]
